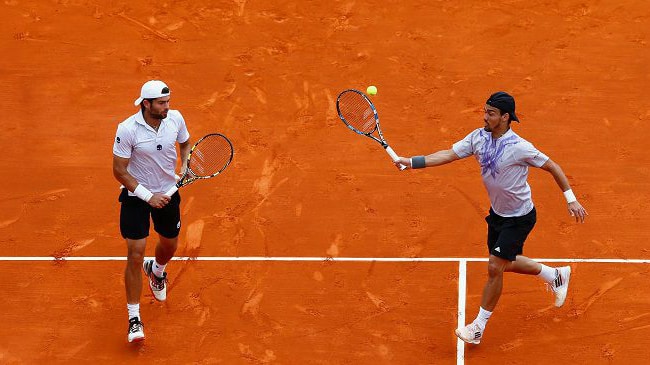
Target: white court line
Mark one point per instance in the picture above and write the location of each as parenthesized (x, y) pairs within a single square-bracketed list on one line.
[(317, 259), (462, 292), (462, 270)]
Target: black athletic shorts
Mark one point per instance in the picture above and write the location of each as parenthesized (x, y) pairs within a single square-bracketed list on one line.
[(506, 235), (135, 212)]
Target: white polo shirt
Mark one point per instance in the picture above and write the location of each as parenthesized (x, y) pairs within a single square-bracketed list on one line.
[(152, 155), (504, 167)]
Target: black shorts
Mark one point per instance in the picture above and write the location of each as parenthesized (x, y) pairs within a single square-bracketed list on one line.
[(135, 212), (506, 235)]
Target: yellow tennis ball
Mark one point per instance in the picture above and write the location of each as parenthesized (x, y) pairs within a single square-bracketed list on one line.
[(371, 90)]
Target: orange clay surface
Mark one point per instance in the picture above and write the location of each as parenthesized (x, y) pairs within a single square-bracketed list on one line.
[(267, 74)]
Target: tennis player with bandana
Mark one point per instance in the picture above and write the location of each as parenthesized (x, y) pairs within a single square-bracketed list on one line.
[(144, 162), (504, 158)]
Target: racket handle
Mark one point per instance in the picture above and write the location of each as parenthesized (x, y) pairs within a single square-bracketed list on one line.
[(171, 191), (394, 156)]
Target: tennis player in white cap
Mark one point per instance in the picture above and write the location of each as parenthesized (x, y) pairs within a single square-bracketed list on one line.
[(144, 162)]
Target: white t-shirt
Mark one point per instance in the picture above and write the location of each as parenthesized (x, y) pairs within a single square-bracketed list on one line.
[(504, 167), (152, 155)]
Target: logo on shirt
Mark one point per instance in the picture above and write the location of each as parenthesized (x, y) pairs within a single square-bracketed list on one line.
[(117, 139), (159, 147), (492, 151)]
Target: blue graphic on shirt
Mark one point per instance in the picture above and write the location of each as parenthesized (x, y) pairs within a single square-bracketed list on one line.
[(492, 151)]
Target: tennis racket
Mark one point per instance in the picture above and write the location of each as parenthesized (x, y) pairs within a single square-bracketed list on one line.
[(360, 115), (208, 157)]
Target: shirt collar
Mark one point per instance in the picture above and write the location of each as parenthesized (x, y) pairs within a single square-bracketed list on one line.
[(507, 134), (139, 118)]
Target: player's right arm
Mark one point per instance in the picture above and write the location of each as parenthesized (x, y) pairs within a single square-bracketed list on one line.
[(434, 159), (122, 175)]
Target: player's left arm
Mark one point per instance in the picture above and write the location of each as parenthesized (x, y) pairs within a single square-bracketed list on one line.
[(575, 208)]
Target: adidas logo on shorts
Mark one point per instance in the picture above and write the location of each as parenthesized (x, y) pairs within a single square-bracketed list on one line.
[(498, 249)]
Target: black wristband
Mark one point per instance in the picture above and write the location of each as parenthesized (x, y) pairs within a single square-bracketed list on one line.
[(417, 162)]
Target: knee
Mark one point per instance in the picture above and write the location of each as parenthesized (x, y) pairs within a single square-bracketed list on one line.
[(495, 270), (135, 256)]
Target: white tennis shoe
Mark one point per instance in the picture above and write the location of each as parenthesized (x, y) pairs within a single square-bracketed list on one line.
[(157, 285), (560, 286), (470, 334), (136, 330)]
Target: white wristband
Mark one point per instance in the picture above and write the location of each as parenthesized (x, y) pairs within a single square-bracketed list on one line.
[(570, 198), (142, 193)]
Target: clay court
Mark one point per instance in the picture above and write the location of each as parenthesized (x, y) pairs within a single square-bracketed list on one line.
[(312, 248)]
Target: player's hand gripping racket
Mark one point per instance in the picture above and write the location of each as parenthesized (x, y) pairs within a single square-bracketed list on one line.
[(360, 115), (208, 157)]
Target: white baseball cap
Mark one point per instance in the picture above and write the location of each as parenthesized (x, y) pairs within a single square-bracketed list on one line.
[(152, 89)]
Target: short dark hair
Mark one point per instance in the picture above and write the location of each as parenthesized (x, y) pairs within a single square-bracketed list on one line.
[(501, 112), (142, 103)]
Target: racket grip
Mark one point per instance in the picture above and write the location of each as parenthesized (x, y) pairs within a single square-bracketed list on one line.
[(172, 190), (394, 156)]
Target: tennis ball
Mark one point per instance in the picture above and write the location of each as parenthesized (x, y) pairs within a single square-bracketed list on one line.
[(371, 90)]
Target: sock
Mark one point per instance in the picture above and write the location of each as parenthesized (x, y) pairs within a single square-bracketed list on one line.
[(158, 269), (134, 310), (482, 318), (548, 274)]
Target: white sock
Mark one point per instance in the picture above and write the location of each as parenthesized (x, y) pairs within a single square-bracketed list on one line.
[(158, 269), (134, 310), (548, 274), (482, 318)]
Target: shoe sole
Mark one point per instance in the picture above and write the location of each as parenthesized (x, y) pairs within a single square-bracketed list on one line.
[(568, 279), (149, 280), (464, 340), (137, 339)]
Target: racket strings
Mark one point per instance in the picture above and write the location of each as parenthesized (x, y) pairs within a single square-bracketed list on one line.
[(210, 156), (357, 112)]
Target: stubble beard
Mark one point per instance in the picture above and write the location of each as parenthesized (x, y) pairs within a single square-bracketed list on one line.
[(159, 116)]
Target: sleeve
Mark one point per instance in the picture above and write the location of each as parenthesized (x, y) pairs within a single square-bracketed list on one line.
[(465, 147), (183, 133), (123, 144), (529, 155)]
